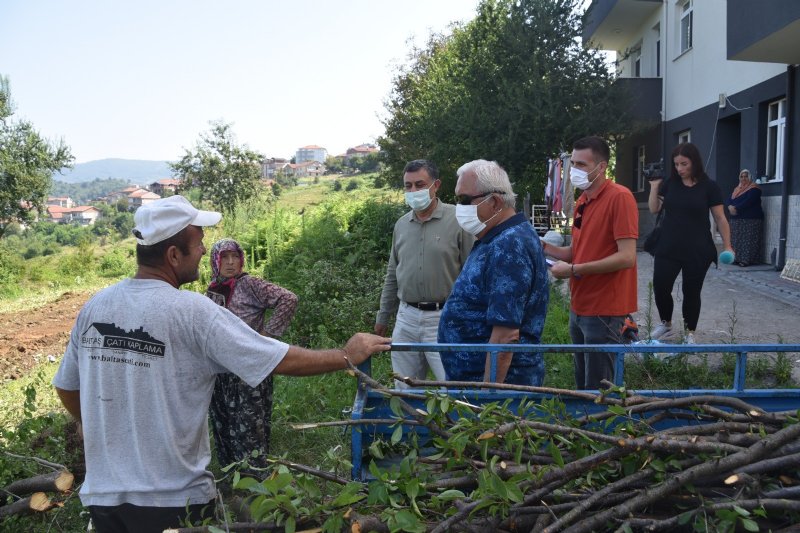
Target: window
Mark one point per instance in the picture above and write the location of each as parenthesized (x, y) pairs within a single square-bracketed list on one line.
[(656, 36), (640, 157), (776, 128), (685, 137), (658, 58), (636, 61), (686, 26)]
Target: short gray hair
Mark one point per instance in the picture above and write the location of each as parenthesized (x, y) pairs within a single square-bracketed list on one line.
[(490, 177)]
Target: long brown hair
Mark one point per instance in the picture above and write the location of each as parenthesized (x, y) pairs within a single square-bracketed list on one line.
[(691, 152)]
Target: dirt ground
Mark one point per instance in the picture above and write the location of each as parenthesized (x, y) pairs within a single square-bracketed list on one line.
[(29, 337), (759, 305)]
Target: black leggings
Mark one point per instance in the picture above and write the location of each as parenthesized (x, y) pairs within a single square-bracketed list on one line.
[(128, 518), (665, 272)]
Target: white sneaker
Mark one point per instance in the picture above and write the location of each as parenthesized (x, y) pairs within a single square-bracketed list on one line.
[(689, 338), (662, 330)]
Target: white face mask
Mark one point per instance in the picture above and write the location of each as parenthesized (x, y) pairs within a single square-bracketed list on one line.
[(467, 218), (580, 178), (419, 200)]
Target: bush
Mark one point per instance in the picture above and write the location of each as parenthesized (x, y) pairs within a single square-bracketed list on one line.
[(117, 263), (11, 265), (336, 300), (78, 263)]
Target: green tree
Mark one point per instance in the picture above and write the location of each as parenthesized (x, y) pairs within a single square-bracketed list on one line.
[(514, 85), (368, 162), (334, 164), (224, 172), (27, 164)]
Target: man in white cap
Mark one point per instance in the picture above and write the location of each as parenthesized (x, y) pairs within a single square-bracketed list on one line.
[(139, 370)]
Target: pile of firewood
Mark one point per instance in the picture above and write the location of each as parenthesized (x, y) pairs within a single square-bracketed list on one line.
[(29, 495), (727, 463), (448, 465)]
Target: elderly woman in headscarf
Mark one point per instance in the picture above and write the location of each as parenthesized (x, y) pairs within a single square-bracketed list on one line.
[(747, 219), (240, 414)]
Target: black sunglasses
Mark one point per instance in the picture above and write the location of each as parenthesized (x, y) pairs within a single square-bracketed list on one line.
[(466, 199), (579, 216)]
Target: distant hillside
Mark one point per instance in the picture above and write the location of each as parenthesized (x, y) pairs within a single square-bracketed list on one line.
[(135, 171)]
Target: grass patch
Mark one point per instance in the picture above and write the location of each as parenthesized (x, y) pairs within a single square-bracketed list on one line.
[(85, 268), (33, 424), (559, 367), (298, 198)]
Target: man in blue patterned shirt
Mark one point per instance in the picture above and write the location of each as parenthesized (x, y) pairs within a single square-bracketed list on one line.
[(501, 295)]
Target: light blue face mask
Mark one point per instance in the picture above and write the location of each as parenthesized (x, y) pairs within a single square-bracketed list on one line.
[(419, 200)]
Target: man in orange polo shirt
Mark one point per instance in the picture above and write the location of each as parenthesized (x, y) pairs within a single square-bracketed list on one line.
[(601, 261)]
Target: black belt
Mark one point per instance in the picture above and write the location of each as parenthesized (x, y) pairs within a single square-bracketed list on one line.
[(427, 306)]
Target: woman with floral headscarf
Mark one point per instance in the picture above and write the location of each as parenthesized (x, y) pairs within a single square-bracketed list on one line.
[(241, 414), (747, 219)]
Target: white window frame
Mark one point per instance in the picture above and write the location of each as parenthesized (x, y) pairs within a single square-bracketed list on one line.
[(685, 136), (636, 62), (640, 162), (776, 131), (686, 26)]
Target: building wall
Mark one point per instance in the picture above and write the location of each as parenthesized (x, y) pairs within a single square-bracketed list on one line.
[(772, 219), (709, 38), (310, 154), (708, 48)]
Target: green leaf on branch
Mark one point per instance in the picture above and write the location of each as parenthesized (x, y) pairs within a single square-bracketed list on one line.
[(394, 405), (555, 453), (749, 525), (451, 494), (397, 434)]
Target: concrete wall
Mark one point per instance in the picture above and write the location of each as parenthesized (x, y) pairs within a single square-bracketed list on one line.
[(772, 218)]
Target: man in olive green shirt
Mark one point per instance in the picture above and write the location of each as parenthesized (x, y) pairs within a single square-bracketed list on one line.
[(428, 250)]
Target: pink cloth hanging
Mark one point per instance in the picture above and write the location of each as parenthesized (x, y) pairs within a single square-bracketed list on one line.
[(557, 192)]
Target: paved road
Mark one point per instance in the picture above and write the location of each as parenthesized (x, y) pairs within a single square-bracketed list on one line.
[(754, 302)]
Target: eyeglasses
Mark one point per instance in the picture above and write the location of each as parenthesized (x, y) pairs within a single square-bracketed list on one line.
[(576, 222), (466, 199)]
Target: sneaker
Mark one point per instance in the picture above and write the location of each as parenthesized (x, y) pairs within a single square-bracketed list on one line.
[(689, 338), (662, 330)]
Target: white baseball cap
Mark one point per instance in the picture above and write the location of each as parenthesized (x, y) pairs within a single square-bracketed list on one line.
[(164, 218)]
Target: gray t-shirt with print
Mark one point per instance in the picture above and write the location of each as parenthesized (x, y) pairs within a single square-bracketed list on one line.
[(144, 356)]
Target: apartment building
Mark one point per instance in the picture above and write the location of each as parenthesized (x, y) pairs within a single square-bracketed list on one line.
[(722, 75)]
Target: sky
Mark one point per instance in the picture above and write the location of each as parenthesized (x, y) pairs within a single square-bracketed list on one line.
[(142, 79)]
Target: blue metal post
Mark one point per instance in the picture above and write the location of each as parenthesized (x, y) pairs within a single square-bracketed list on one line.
[(740, 371), (619, 368)]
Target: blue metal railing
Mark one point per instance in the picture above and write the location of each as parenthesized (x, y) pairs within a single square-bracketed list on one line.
[(620, 350), (373, 404)]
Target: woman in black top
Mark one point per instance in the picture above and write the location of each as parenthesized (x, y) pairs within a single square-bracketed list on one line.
[(685, 244)]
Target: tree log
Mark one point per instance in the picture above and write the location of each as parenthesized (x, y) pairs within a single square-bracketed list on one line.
[(363, 524), (36, 502), (60, 481)]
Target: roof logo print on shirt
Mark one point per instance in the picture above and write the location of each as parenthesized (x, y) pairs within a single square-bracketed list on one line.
[(110, 336)]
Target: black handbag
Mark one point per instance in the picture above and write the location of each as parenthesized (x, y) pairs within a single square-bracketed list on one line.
[(651, 241)]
